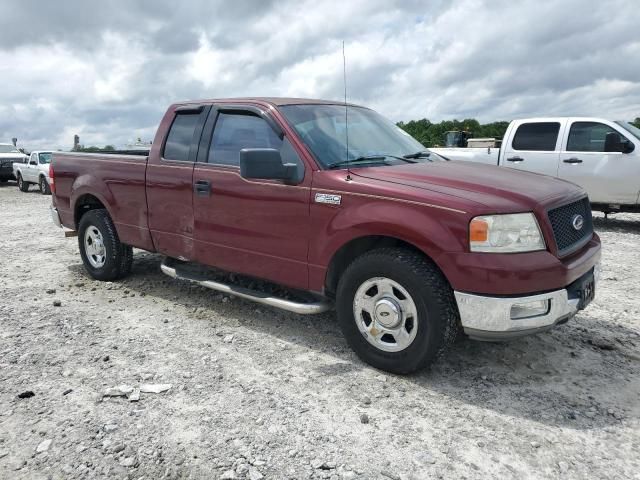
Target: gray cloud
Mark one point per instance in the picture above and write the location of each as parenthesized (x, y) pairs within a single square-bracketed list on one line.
[(107, 70)]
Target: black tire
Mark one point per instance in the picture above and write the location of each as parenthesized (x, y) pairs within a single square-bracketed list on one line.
[(118, 256), (437, 311), (44, 186), (22, 185)]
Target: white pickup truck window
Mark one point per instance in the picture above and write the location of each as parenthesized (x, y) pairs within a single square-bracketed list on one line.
[(588, 137), (539, 136)]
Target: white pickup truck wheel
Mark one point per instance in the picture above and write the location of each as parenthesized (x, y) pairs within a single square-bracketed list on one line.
[(22, 185), (396, 309), (44, 186), (104, 256)]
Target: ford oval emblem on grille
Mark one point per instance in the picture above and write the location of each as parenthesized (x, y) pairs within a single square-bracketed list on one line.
[(578, 222)]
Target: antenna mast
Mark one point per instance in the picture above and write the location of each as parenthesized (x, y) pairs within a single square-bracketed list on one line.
[(346, 109)]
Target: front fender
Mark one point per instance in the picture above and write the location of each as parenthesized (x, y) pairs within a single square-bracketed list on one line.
[(432, 230)]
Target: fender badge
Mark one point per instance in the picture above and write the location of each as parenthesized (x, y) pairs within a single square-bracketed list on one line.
[(329, 198)]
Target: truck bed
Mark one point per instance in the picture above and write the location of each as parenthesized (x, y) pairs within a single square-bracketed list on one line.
[(115, 180)]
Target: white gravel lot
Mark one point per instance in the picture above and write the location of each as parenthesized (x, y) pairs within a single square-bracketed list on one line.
[(259, 393)]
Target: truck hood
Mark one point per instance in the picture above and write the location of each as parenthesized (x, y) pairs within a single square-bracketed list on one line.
[(498, 188)]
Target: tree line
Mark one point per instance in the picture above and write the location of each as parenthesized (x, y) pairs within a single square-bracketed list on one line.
[(432, 134)]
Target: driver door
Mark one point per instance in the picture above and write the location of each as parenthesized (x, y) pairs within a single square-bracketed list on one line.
[(608, 177), (254, 227)]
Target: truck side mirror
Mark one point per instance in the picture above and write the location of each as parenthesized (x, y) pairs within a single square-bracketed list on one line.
[(614, 142), (266, 164)]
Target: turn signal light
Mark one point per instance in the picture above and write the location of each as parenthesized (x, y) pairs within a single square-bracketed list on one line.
[(478, 230)]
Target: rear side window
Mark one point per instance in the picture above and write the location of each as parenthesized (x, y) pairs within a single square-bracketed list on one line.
[(588, 137), (540, 136), (180, 135)]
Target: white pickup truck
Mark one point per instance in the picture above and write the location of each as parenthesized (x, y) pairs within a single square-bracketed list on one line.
[(602, 156), (35, 170)]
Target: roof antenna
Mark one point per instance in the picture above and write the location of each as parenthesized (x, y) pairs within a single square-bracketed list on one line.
[(346, 109)]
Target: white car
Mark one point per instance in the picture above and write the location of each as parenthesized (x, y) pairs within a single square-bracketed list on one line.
[(35, 170), (8, 155), (602, 156)]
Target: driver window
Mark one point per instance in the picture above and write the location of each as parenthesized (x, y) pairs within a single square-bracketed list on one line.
[(34, 159), (235, 131), (588, 137)]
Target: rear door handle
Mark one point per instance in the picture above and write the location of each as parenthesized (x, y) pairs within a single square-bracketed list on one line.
[(515, 159), (202, 188), (572, 160)]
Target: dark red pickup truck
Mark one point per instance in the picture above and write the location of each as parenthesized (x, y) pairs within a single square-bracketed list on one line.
[(409, 247)]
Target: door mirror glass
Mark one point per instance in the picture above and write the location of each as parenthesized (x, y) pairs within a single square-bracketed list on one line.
[(265, 163), (614, 142)]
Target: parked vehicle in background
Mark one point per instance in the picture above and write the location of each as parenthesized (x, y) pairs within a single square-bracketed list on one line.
[(34, 171), (602, 156), (9, 155), (407, 247)]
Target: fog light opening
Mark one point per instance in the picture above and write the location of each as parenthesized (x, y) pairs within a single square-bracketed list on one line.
[(520, 311)]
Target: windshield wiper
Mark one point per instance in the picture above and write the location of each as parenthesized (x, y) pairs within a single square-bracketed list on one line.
[(363, 159), (420, 154), (369, 158)]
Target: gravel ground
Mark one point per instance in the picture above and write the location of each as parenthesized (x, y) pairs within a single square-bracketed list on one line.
[(259, 393)]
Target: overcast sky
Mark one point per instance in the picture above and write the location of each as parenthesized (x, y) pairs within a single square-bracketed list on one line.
[(106, 70)]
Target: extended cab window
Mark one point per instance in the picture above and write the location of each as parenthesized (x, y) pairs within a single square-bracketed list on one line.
[(235, 131), (588, 137), (539, 136), (180, 136)]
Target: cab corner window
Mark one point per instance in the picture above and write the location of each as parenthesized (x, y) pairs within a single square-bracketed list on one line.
[(588, 137), (180, 137), (538, 136)]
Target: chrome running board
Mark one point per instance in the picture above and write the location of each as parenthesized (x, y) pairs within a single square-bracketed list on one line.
[(310, 308)]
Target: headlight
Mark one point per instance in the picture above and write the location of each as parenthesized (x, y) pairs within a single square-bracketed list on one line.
[(516, 232)]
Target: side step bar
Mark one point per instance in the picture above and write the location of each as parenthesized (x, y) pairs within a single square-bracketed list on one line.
[(260, 297)]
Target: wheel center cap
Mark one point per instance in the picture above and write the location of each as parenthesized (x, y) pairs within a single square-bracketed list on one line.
[(387, 313)]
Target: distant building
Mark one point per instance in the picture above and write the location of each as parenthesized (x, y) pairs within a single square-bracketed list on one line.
[(76, 142)]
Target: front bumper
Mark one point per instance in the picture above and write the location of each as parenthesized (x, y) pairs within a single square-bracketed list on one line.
[(55, 216), (490, 318)]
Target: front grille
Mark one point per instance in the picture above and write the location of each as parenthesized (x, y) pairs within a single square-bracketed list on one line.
[(567, 237)]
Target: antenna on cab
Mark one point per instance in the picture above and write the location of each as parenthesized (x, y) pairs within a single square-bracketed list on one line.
[(346, 109)]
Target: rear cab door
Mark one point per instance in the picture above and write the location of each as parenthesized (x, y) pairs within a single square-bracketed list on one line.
[(533, 145), (609, 177), (169, 180)]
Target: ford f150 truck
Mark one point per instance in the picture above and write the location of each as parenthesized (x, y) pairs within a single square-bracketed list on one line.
[(599, 155), (408, 248)]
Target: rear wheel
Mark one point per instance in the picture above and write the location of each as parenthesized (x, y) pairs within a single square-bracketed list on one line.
[(44, 186), (103, 255), (22, 185), (396, 310)]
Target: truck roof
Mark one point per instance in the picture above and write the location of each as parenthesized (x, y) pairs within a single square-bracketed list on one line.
[(566, 117), (275, 101)]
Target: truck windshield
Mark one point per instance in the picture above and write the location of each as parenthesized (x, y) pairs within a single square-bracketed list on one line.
[(633, 130), (322, 129), (8, 149), (45, 157)]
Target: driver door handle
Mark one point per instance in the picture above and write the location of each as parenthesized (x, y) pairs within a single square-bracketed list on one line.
[(572, 160), (202, 188), (515, 159)]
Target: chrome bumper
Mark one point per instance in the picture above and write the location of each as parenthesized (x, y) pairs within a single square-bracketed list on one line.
[(492, 318), (55, 217)]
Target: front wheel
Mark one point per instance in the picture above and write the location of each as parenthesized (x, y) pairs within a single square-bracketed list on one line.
[(396, 310), (22, 185), (44, 186), (104, 256)]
